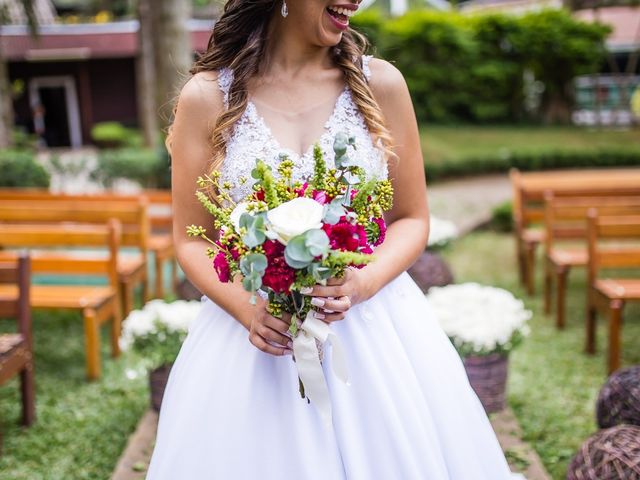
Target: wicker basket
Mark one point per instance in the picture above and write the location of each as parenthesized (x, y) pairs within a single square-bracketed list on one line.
[(488, 377), (157, 383), (610, 454), (619, 399)]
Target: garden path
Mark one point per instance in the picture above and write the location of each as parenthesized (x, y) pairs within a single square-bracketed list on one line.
[(468, 202)]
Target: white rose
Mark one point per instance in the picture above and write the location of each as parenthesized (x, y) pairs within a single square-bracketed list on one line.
[(237, 213), (295, 217)]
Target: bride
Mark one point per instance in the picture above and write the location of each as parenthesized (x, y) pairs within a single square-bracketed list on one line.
[(280, 76)]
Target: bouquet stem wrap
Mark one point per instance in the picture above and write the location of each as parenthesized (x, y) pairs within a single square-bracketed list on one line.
[(307, 358)]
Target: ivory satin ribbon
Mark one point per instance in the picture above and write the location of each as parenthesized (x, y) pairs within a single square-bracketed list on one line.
[(310, 370)]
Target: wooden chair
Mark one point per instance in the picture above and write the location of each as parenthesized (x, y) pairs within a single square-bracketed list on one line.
[(565, 223), (160, 240), (16, 350), (98, 304), (607, 294), (528, 195), (132, 215)]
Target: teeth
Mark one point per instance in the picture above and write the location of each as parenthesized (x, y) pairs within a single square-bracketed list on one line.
[(342, 11)]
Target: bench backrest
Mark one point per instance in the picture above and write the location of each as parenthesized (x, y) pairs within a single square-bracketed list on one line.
[(49, 240), (17, 271), (530, 188), (566, 217), (613, 242), (158, 201), (131, 215)]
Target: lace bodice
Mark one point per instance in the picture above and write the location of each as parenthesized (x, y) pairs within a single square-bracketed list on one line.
[(251, 138)]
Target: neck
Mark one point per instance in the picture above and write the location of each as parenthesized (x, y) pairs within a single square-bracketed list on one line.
[(288, 54)]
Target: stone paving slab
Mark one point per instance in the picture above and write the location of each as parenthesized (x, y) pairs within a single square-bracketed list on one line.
[(521, 457)]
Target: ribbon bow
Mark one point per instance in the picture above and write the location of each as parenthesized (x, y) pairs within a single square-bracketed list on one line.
[(310, 370)]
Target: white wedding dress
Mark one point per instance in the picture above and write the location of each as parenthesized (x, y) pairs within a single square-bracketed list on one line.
[(233, 412)]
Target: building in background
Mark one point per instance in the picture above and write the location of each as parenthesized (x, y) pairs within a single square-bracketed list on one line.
[(76, 75)]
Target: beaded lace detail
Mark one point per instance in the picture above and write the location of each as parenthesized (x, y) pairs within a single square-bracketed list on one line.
[(251, 138)]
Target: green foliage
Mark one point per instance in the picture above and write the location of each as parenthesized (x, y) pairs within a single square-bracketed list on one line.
[(501, 217), (470, 68), (115, 135), (528, 161), (148, 167), (20, 169), (160, 346)]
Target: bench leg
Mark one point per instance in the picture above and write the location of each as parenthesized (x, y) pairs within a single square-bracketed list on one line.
[(561, 295), (548, 285), (92, 342), (530, 256), (127, 297), (174, 274), (590, 345), (145, 287), (27, 386), (521, 259), (159, 290), (615, 318), (116, 330)]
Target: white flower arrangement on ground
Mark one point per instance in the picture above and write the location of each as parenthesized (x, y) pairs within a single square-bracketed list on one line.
[(441, 232), (157, 331), (479, 319)]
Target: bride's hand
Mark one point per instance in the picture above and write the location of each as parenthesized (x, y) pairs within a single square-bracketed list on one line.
[(334, 300), (268, 333)]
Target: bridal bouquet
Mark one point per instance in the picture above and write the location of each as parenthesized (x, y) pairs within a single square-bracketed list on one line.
[(290, 234)]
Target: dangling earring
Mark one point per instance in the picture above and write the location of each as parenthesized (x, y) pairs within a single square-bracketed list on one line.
[(284, 11)]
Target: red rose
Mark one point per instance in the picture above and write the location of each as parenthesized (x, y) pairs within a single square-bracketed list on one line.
[(343, 236), (221, 266), (273, 249)]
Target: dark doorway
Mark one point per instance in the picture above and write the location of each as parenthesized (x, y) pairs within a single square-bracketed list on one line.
[(56, 117)]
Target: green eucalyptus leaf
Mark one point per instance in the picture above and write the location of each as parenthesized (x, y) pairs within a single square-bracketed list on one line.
[(333, 211), (317, 242), (297, 254)]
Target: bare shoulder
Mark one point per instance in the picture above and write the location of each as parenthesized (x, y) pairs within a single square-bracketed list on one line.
[(200, 100), (386, 79)]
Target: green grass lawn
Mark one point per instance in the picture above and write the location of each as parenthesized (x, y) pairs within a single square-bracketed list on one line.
[(552, 384), (81, 428), (444, 144)]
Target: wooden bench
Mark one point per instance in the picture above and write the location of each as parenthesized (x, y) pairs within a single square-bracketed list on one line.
[(98, 304), (132, 215), (528, 204), (565, 245), (16, 350), (160, 241), (608, 294)]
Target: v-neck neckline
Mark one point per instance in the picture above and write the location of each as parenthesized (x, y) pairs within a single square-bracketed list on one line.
[(260, 119)]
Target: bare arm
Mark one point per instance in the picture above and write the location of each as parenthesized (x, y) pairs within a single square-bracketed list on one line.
[(408, 221), (199, 105)]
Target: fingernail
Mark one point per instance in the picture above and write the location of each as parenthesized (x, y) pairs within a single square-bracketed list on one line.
[(306, 290), (290, 344), (318, 302), (319, 315)]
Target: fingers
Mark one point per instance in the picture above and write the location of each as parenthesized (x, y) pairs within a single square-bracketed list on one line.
[(277, 324), (261, 344), (331, 305), (329, 317)]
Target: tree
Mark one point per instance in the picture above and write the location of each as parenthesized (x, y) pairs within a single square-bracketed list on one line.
[(166, 55), (6, 100)]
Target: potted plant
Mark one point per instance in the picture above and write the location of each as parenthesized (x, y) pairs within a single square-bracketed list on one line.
[(156, 333), (484, 324)]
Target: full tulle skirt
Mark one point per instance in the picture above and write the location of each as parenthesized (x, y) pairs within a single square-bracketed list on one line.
[(231, 411)]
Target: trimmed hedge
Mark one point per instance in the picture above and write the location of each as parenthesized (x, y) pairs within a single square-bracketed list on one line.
[(462, 68), (20, 169), (150, 168), (534, 161)]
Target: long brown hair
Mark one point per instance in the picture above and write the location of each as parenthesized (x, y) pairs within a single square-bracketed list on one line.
[(238, 42)]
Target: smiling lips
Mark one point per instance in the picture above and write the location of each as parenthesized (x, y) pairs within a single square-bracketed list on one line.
[(340, 14)]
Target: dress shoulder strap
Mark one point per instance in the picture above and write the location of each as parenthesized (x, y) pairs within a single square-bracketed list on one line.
[(225, 79), (365, 66)]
